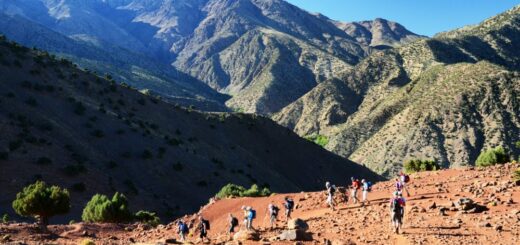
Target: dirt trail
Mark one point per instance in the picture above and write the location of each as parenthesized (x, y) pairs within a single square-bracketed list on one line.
[(424, 224)]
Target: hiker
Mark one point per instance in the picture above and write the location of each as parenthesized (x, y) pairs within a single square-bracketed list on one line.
[(251, 215), (404, 179), (182, 229), (246, 213), (398, 185), (397, 204), (354, 189), (330, 195), (203, 228), (233, 222), (366, 187), (289, 205), (272, 211)]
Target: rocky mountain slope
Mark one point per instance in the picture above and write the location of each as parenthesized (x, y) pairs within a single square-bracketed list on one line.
[(69, 127), (241, 48), (434, 214), (445, 98)]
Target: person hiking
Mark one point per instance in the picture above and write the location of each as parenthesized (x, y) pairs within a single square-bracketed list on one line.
[(203, 228), (272, 211), (251, 215), (246, 212), (404, 179), (289, 205), (354, 189), (365, 187), (182, 230), (397, 204), (330, 195), (233, 222), (398, 185)]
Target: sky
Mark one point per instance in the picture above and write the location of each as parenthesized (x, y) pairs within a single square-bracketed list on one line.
[(426, 17)]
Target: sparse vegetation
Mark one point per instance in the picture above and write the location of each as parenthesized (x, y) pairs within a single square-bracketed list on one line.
[(516, 176), (87, 242), (232, 190), (417, 165), (497, 155), (42, 202), (318, 139), (104, 210), (5, 218), (147, 217)]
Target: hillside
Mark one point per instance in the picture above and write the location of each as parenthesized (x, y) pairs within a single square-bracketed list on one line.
[(491, 188), (69, 127), (445, 98), (239, 48)]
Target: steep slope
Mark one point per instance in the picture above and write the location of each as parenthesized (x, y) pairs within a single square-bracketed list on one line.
[(378, 33), (241, 48), (445, 98), (69, 127), (132, 68), (424, 223)]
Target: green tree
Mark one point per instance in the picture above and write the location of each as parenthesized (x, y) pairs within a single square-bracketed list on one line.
[(232, 190), (417, 165), (497, 155), (42, 202), (102, 209), (147, 218)]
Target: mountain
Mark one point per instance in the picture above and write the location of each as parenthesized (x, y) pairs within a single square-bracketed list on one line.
[(69, 127), (378, 33), (241, 48), (445, 98)]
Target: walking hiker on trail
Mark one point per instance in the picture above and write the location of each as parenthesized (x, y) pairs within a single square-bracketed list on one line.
[(366, 187), (330, 195), (397, 204), (398, 185), (233, 222), (404, 178), (289, 205), (182, 229), (250, 216), (203, 228), (354, 189), (246, 212), (272, 211)]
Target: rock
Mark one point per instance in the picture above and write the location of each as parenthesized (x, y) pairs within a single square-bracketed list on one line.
[(170, 240), (6, 238), (245, 235), (433, 206), (515, 211), (295, 235), (484, 224), (442, 211), (297, 224), (498, 228)]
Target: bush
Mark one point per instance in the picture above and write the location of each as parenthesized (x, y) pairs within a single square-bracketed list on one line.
[(5, 218), (102, 209), (232, 190), (147, 217), (516, 175), (492, 156), (416, 165), (318, 139), (87, 242), (42, 202)]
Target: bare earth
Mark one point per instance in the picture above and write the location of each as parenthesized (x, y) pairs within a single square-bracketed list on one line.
[(351, 224)]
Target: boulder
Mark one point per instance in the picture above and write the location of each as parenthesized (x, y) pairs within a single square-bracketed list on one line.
[(295, 235), (297, 224), (245, 235)]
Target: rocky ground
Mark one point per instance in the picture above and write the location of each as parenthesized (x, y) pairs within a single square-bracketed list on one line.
[(434, 215)]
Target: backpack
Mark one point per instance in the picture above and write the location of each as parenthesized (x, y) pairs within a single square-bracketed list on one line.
[(206, 223), (396, 207), (289, 204), (184, 228), (275, 210), (252, 214), (234, 221), (406, 178)]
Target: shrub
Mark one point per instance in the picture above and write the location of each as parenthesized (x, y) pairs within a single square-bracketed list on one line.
[(417, 165), (232, 190), (87, 242), (492, 156), (318, 139), (5, 218), (42, 202), (102, 209), (147, 217), (516, 175)]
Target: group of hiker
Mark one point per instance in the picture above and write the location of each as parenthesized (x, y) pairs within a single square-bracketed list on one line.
[(397, 204)]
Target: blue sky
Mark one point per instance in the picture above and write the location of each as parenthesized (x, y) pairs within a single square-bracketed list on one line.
[(425, 17)]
